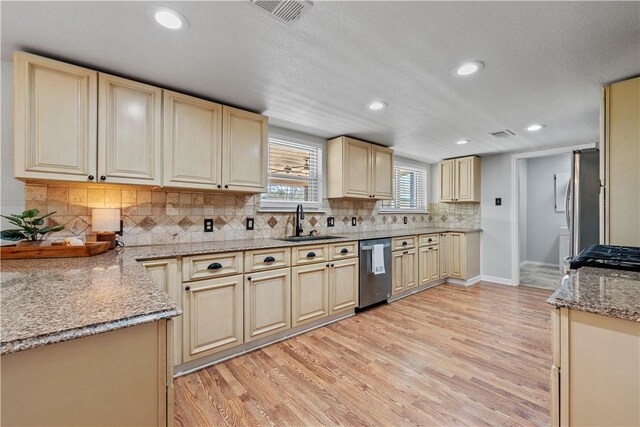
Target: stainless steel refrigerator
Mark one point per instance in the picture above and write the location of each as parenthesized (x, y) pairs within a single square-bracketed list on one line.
[(583, 200)]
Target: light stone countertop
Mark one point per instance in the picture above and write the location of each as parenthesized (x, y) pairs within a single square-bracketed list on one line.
[(45, 301), (614, 293)]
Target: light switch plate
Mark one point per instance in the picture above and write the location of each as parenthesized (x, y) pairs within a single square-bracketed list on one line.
[(498, 201), (331, 221)]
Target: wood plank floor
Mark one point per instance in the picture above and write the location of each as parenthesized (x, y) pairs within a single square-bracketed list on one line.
[(446, 356)]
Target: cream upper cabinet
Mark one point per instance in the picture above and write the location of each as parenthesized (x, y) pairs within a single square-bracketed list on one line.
[(192, 142), (309, 293), (164, 273), (460, 180), (343, 285), (129, 131), (358, 169), (620, 162), (213, 316), (267, 307), (55, 119), (244, 151)]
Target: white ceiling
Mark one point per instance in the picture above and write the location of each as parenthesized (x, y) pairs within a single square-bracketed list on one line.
[(544, 62)]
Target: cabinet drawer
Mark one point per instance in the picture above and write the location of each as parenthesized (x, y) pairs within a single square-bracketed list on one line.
[(310, 254), (267, 259), (343, 250), (211, 265), (428, 239), (406, 242)]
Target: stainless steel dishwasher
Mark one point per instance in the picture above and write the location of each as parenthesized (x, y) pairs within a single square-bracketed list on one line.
[(374, 288)]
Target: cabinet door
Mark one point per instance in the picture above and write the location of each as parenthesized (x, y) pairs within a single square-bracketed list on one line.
[(343, 285), (458, 256), (447, 180), (410, 268), (55, 119), (267, 305), (397, 272), (192, 142), (357, 169), (381, 173), (164, 273), (445, 255), (424, 273), (433, 261), (129, 131), (309, 293), (212, 319), (244, 151), (463, 190)]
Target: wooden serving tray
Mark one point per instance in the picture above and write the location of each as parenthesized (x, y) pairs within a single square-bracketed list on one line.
[(24, 252)]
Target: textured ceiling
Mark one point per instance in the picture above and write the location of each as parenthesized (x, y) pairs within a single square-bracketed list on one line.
[(544, 62)]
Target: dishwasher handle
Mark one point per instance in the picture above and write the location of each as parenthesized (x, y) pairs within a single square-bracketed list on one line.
[(370, 248)]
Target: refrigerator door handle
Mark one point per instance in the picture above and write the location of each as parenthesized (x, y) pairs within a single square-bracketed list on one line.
[(567, 206)]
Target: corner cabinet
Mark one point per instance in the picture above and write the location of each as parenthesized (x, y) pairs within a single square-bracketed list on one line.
[(55, 119), (358, 169), (129, 131), (460, 179)]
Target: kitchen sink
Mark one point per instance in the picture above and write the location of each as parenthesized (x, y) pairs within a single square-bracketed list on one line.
[(307, 238)]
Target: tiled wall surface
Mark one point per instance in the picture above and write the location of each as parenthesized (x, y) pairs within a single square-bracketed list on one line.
[(169, 216)]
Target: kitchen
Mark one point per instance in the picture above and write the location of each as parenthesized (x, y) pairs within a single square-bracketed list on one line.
[(251, 216)]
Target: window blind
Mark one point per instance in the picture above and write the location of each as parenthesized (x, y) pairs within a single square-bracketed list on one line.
[(294, 172), (409, 186)]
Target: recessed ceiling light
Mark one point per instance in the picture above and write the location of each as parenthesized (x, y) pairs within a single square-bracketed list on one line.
[(169, 18), (377, 105), (533, 128), (463, 141), (468, 68)]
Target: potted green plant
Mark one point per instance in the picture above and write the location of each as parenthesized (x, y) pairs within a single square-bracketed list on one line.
[(30, 231)]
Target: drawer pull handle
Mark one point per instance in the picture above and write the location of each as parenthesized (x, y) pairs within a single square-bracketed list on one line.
[(429, 239), (404, 243), (344, 251), (214, 266), (311, 254), (269, 259), (187, 288)]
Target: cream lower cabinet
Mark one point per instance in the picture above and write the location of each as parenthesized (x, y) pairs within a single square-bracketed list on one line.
[(429, 264), (164, 273), (55, 119), (404, 270), (444, 255), (343, 285), (267, 305), (213, 316), (309, 293), (461, 253), (129, 131), (595, 371)]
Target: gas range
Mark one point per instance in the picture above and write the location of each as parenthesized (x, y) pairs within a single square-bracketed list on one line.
[(606, 256)]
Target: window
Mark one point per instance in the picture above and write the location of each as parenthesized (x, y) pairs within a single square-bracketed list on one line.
[(409, 188), (295, 176)]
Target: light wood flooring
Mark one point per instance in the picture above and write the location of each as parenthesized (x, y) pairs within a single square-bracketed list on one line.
[(446, 356)]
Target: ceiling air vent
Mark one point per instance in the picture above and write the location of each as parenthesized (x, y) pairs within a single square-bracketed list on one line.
[(285, 11), (502, 133)]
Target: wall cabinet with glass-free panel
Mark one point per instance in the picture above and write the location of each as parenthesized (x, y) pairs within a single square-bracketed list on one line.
[(460, 179), (358, 169)]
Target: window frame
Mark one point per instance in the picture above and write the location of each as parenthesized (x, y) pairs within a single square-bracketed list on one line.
[(290, 206), (407, 164)]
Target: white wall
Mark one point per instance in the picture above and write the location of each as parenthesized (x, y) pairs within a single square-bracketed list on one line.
[(11, 190), (522, 208), (542, 221), (496, 220)]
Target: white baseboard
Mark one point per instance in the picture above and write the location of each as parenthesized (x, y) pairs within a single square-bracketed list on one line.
[(469, 282), (499, 280), (544, 264)]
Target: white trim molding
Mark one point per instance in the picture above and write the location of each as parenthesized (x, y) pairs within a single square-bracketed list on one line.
[(499, 280)]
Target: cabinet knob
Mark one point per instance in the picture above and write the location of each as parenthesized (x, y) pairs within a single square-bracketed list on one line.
[(214, 266), (404, 243), (311, 254), (219, 186), (373, 195), (269, 259), (344, 251), (332, 265), (327, 265), (226, 186), (187, 288), (429, 239), (249, 278), (91, 177), (103, 178)]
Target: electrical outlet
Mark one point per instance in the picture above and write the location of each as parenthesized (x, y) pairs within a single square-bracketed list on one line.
[(208, 225), (331, 221), (404, 219), (354, 221), (498, 201), (249, 223)]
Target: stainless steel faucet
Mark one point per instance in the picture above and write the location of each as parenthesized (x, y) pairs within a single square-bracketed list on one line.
[(299, 216)]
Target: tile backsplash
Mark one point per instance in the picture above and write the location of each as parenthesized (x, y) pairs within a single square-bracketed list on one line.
[(159, 216)]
